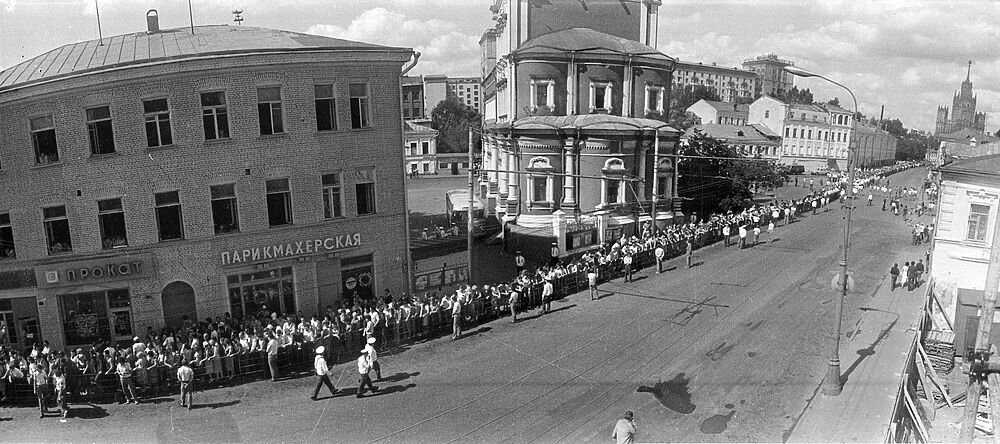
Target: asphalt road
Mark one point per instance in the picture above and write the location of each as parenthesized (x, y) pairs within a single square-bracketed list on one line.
[(732, 349)]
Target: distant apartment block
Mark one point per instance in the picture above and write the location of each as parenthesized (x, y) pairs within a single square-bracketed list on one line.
[(729, 83), (774, 80), (422, 93)]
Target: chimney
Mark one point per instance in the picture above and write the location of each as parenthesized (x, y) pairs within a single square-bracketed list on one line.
[(152, 21)]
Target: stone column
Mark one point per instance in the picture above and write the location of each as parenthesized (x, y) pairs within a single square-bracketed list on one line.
[(569, 203), (513, 165)]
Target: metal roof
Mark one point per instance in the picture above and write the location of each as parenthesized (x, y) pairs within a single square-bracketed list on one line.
[(582, 42), (731, 133), (417, 128), (168, 44), (598, 123), (979, 166)]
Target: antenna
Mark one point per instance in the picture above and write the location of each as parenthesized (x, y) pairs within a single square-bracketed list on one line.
[(238, 17), (191, 16), (100, 36)]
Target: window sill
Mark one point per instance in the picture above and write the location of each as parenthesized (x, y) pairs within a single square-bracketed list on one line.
[(227, 233), (368, 215), (362, 129), (280, 226), (103, 156), (335, 218), (170, 240), (39, 166), (329, 132), (161, 148), (218, 141), (274, 136), (60, 253)]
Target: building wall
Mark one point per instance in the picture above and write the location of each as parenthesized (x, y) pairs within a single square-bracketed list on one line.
[(620, 19), (729, 83), (134, 172), (768, 112), (416, 159), (961, 263), (528, 71)]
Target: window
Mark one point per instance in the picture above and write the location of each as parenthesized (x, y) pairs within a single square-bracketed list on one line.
[(269, 110), (6, 238), (157, 113), (43, 138), (365, 190), (57, 230), (612, 188), (425, 147), (102, 136), (787, 132), (767, 113), (360, 114), (600, 96), (169, 221), (111, 218), (279, 202), (543, 94), (90, 317), (654, 99), (979, 216), (539, 189), (7, 316), (810, 134), (261, 292), (225, 214), (413, 149), (214, 116), (326, 108), (795, 133), (333, 204)]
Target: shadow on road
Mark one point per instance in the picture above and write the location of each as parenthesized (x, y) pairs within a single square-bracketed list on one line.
[(215, 405), (89, 411), (673, 394), (870, 350), (399, 377)]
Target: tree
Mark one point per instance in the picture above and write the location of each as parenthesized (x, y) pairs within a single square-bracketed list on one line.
[(796, 95), (681, 99), (715, 177), (452, 119), (834, 101)]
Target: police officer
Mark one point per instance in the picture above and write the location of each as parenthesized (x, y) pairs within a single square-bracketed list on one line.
[(323, 371)]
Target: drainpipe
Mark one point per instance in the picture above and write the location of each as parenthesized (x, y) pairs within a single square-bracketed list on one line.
[(406, 206)]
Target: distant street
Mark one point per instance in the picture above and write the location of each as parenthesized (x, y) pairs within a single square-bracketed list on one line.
[(732, 349)]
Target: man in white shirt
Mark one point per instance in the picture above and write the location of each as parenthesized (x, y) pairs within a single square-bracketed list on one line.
[(627, 260), (725, 234), (373, 358), (185, 376), (592, 280), (660, 253), (743, 236), (547, 292), (272, 356), (625, 430), (323, 371), (364, 367)]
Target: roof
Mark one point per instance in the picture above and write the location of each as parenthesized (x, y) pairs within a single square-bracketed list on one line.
[(967, 134), (585, 41), (699, 66), (764, 130), (979, 166), (835, 109), (807, 107), (728, 106), (731, 133), (417, 128), (168, 44), (583, 122)]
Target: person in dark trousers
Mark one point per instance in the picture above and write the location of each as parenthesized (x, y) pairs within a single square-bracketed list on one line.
[(883, 203), (365, 367), (323, 371), (185, 377), (690, 252), (919, 270), (894, 274), (456, 317), (660, 253), (627, 260), (911, 277)]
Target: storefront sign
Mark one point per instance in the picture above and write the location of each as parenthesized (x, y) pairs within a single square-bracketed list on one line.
[(75, 273), (10, 280), (289, 250)]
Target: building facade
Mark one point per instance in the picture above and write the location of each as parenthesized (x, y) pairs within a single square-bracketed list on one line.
[(414, 107), (814, 136), (731, 84), (429, 90), (165, 176), (966, 215), (774, 80), (874, 147), (420, 148), (575, 115), (963, 111), (721, 113)]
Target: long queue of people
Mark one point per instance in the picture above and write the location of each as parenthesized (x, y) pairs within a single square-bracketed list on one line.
[(224, 349)]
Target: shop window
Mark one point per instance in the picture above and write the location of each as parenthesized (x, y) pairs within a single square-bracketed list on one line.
[(225, 214), (214, 115), (979, 217), (360, 112), (157, 114), (260, 293), (57, 230), (169, 220), (326, 108), (333, 204), (279, 202), (102, 315), (269, 110), (365, 190), (43, 138), (100, 131), (111, 219), (6, 238)]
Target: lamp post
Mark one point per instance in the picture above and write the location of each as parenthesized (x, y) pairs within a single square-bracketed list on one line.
[(832, 385)]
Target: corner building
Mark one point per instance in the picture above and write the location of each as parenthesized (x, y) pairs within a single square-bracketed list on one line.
[(165, 175)]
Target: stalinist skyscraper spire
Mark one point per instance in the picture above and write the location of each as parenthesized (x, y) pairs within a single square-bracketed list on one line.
[(963, 111)]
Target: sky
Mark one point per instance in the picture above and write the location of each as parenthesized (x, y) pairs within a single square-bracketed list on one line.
[(908, 55)]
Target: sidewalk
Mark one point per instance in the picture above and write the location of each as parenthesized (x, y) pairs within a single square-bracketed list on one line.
[(872, 355)]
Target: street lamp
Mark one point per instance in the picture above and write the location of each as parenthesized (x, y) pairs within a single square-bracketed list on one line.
[(832, 385)]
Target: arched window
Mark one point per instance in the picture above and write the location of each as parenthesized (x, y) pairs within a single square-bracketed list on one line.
[(540, 184), (612, 186)]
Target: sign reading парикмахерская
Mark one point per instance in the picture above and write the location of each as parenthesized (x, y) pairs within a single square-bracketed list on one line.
[(291, 249)]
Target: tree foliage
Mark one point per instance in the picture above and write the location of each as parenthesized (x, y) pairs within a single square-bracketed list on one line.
[(796, 95), (452, 119), (681, 99), (715, 177)]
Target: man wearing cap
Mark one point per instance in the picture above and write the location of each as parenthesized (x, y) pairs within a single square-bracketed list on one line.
[(364, 367), (625, 430), (373, 358), (323, 371)]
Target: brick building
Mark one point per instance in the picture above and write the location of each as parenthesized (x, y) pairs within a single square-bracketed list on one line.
[(164, 174)]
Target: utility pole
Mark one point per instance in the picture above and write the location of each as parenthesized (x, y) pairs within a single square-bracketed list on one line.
[(982, 337), (472, 200)]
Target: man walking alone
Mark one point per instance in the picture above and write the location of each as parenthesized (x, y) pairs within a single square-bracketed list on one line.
[(364, 367), (547, 291)]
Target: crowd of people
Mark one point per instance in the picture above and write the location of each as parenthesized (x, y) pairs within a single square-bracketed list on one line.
[(218, 349)]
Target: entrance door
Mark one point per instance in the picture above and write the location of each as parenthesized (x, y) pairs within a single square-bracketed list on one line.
[(454, 168), (178, 302), (358, 284)]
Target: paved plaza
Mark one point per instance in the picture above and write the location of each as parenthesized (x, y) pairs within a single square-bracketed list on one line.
[(732, 349)]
